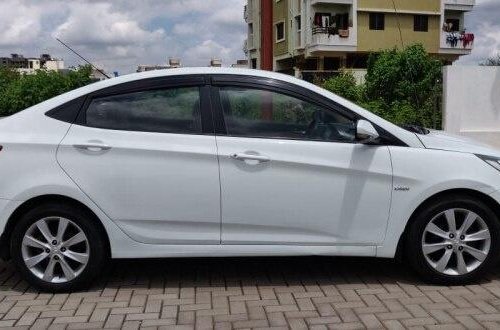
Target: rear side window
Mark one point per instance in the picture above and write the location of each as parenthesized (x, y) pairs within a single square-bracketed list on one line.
[(173, 110), (68, 111)]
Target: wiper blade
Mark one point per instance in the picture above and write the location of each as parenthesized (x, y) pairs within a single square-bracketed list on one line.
[(416, 129)]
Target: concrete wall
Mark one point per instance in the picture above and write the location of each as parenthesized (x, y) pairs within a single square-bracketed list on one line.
[(472, 102), (280, 14), (402, 5), (375, 40)]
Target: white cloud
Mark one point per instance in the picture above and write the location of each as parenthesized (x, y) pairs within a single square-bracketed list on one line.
[(121, 34), (227, 16), (185, 29), (97, 24), (19, 23), (208, 49)]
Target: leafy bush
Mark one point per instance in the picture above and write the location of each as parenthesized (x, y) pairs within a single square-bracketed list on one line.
[(18, 91), (344, 85), (402, 86)]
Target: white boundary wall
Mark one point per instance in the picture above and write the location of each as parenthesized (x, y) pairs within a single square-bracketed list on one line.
[(471, 102)]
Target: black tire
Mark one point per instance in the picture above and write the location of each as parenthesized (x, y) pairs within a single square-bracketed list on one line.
[(83, 219), (415, 255)]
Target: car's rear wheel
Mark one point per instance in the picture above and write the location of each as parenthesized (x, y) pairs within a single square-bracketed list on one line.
[(58, 247), (454, 241)]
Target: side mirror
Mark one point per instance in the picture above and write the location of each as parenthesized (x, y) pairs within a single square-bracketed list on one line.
[(365, 132)]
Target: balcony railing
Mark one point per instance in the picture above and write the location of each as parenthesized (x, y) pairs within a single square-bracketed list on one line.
[(247, 13), (298, 39), (457, 40), (335, 2), (332, 37), (250, 43)]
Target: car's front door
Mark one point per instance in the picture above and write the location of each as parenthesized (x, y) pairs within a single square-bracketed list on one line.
[(146, 156), (292, 171)]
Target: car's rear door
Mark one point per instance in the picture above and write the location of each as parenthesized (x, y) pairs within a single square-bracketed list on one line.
[(292, 171), (145, 153)]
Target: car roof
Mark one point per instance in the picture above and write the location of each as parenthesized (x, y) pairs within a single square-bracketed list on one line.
[(198, 71)]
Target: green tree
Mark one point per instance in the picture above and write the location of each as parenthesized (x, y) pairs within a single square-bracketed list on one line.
[(7, 76), (408, 83), (492, 61), (402, 86), (18, 92), (344, 85)]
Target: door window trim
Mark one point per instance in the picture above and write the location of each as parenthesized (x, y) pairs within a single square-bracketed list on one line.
[(292, 90), (200, 81)]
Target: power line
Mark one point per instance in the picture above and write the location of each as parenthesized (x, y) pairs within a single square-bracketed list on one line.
[(399, 24)]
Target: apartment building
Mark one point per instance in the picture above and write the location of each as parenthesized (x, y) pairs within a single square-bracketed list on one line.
[(301, 37), (28, 65), (172, 64)]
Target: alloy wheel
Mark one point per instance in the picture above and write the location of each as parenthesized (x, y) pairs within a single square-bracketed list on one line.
[(456, 242), (55, 249)]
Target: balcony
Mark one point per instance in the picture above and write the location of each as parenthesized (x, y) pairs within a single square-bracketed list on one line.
[(298, 39), (250, 43), (247, 14), (342, 2), (324, 40), (460, 5), (457, 42)]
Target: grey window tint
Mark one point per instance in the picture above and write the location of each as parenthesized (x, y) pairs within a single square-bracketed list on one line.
[(175, 110), (261, 113)]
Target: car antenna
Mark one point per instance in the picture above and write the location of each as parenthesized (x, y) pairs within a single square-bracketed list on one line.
[(83, 58)]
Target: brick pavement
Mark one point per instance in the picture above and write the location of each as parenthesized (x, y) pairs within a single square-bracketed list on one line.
[(278, 293)]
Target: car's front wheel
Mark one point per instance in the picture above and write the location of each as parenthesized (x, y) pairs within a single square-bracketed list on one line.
[(454, 241), (57, 247)]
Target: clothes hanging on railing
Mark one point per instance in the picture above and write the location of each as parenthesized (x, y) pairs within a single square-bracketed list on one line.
[(467, 39), (452, 39), (330, 23)]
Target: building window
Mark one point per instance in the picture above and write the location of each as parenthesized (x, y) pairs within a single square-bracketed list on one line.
[(298, 23), (377, 21), (280, 31), (421, 23)]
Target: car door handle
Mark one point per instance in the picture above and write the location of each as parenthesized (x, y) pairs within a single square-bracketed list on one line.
[(92, 147), (244, 157)]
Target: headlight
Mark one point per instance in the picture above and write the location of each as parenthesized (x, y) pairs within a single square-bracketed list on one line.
[(493, 161)]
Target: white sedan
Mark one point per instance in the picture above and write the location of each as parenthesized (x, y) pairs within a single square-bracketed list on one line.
[(226, 162)]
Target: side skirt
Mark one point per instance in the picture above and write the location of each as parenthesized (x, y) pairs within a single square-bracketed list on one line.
[(139, 250)]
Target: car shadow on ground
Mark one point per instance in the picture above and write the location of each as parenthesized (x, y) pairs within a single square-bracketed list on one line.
[(248, 271), (270, 271)]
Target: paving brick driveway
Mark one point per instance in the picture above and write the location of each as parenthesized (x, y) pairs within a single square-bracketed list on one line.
[(242, 293)]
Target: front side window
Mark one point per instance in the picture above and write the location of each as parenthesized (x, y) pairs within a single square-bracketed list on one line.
[(175, 110), (261, 113)]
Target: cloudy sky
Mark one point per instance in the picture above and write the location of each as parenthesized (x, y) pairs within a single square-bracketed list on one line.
[(120, 34)]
